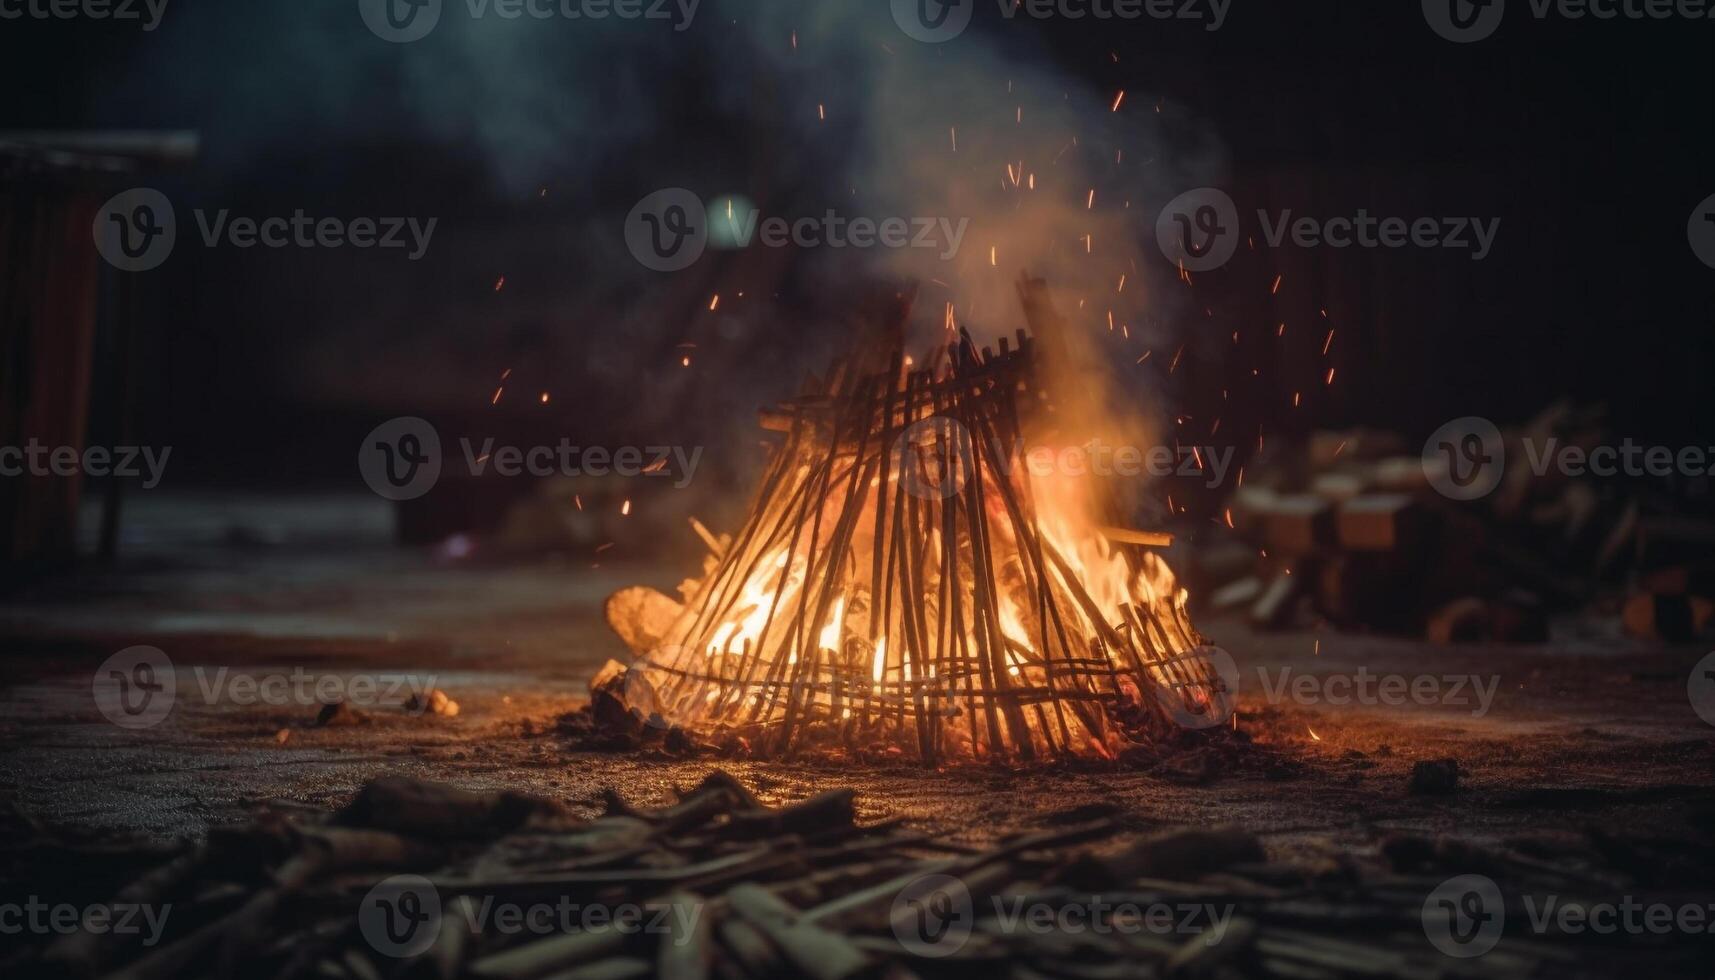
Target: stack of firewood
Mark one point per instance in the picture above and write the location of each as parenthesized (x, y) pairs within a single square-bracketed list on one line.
[(738, 888), (1348, 530)]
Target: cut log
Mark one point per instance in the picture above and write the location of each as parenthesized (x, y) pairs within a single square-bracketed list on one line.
[(1390, 522), (812, 950), (1183, 855), (425, 809), (687, 947), (641, 616), (1676, 618), (1463, 620), (1148, 539), (1300, 525)]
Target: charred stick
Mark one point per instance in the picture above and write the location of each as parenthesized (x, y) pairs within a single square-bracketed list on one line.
[(687, 947), (814, 951)]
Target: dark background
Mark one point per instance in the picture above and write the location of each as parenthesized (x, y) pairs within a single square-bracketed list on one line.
[(1589, 140)]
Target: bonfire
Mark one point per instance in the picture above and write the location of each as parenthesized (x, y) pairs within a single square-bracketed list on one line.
[(904, 581)]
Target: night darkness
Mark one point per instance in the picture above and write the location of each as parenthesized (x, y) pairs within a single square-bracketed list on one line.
[(1584, 138), (1385, 643)]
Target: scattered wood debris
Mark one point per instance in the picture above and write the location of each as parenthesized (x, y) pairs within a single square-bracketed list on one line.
[(435, 702), (415, 879), (338, 714), (1435, 777)]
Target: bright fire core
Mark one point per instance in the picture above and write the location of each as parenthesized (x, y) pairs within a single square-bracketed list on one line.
[(903, 581)]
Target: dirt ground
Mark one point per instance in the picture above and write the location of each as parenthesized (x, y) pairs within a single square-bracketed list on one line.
[(1588, 738), (1588, 730)]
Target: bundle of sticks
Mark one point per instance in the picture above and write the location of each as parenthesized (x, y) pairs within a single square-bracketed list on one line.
[(896, 582), (415, 879)]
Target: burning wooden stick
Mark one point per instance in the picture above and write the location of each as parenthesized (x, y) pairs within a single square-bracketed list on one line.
[(902, 582)]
